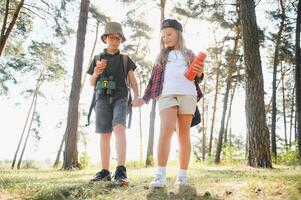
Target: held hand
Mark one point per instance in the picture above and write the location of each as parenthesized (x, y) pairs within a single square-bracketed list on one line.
[(198, 69), (138, 102), (100, 66)]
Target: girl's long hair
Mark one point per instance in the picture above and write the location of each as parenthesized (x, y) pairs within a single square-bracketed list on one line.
[(161, 59)]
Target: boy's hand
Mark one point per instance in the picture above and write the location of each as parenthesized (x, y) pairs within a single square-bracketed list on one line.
[(100, 67), (198, 69), (138, 102)]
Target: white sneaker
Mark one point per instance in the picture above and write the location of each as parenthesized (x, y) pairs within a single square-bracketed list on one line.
[(181, 180), (159, 181)]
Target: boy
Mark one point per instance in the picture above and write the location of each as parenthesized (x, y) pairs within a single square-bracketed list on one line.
[(109, 79)]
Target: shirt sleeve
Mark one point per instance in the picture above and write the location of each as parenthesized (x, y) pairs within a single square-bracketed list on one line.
[(147, 92), (131, 65), (92, 66)]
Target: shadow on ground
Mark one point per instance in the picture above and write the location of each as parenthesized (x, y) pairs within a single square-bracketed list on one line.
[(183, 192)]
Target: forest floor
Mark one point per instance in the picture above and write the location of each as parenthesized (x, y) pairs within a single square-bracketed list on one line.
[(206, 182)]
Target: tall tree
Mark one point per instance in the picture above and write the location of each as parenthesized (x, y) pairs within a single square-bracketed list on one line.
[(257, 130), (6, 30), (45, 59), (298, 78), (275, 65), (16, 26), (230, 67), (71, 152)]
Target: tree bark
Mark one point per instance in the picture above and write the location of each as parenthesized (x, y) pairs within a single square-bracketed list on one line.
[(257, 131), (298, 79), (6, 32), (71, 154)]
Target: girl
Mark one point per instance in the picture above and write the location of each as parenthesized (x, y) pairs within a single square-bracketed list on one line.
[(177, 98)]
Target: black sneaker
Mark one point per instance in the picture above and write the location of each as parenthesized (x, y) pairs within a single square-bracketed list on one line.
[(103, 175), (120, 177)]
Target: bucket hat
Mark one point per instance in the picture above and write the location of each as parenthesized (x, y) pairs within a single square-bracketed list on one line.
[(113, 27)]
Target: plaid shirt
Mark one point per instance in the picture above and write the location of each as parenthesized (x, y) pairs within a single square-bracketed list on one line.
[(155, 84)]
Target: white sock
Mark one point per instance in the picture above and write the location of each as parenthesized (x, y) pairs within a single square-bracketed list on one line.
[(182, 173), (161, 170)]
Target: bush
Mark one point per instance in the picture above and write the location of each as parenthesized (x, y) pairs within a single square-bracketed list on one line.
[(30, 164), (84, 160), (289, 156)]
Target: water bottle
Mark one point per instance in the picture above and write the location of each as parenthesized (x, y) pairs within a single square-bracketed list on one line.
[(189, 72)]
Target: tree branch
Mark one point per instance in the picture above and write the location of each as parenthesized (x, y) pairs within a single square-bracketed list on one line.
[(34, 13), (5, 18), (38, 8)]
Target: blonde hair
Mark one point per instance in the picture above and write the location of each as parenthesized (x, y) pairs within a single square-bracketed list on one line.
[(164, 51)]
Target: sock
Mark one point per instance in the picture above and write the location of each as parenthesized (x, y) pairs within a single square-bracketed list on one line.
[(182, 173), (161, 170)]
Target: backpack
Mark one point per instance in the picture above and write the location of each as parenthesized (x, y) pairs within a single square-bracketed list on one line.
[(129, 103)]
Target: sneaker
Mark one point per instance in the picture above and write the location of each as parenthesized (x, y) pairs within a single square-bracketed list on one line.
[(158, 182), (120, 177), (103, 175), (181, 180)]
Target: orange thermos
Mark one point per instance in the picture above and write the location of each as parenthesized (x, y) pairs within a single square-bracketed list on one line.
[(189, 73)]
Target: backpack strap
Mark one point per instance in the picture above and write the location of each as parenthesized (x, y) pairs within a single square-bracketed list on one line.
[(93, 101), (129, 106)]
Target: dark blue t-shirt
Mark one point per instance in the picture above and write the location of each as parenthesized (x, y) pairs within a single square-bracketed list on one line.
[(115, 68)]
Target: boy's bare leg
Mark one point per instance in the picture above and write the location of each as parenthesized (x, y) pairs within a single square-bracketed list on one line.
[(184, 122), (105, 150), (119, 130), (167, 127)]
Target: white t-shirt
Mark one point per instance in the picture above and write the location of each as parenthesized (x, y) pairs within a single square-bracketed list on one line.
[(174, 80)]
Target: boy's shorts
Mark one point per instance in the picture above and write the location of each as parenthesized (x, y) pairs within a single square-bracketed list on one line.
[(186, 103), (110, 114)]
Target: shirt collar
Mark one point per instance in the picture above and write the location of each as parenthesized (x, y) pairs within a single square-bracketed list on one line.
[(106, 52)]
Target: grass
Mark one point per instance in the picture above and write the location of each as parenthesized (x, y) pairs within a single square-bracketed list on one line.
[(206, 182)]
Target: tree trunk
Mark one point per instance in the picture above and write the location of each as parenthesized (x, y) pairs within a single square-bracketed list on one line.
[(58, 155), (28, 132), (38, 84), (229, 113), (228, 87), (71, 154), (214, 105), (162, 9), (91, 56), (283, 106), (203, 124), (276, 62), (292, 116), (257, 130), (150, 145), (6, 32), (298, 78)]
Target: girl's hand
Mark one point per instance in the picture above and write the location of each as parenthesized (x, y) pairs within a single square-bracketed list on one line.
[(198, 69)]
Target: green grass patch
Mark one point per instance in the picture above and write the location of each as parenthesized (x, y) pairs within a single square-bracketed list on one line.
[(206, 182)]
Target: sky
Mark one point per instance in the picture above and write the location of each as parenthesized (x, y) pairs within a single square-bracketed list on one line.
[(53, 109)]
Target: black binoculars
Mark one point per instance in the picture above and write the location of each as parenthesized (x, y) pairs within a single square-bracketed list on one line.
[(105, 86)]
